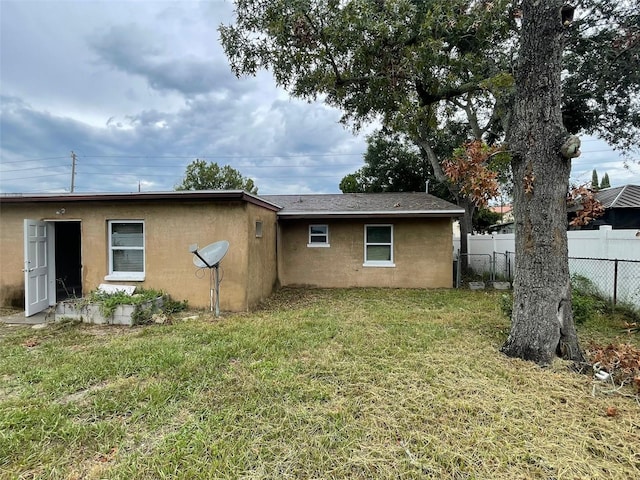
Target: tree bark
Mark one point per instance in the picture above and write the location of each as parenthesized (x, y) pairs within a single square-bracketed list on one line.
[(542, 322)]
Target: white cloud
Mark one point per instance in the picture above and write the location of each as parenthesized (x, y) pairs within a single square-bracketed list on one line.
[(596, 154), (139, 89)]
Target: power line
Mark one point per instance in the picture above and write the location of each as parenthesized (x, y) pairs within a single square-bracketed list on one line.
[(205, 156), (142, 175), (2, 162), (40, 176), (324, 165), (33, 168)]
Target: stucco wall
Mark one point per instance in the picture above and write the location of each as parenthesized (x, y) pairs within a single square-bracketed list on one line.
[(170, 228), (261, 258), (423, 255)]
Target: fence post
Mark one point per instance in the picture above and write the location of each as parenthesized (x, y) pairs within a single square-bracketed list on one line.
[(493, 266), (615, 283)]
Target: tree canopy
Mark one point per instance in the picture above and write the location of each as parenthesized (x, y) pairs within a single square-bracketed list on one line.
[(200, 175), (420, 64), (601, 78), (393, 164), (427, 68)]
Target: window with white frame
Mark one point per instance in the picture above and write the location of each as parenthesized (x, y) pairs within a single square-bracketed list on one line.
[(378, 246), (126, 250), (318, 236)]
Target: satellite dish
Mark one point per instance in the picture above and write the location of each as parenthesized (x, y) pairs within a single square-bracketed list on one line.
[(210, 255)]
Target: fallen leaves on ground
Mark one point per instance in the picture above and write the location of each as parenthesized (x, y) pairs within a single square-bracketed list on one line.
[(621, 360)]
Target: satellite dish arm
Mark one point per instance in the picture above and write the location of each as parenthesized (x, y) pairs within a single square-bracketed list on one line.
[(197, 254)]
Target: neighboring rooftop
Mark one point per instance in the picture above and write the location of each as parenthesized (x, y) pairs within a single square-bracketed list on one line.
[(627, 196), (359, 205), (501, 208)]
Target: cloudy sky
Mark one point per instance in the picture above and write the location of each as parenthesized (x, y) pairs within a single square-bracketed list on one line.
[(139, 89)]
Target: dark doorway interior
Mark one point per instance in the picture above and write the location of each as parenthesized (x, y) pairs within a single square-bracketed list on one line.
[(68, 261)]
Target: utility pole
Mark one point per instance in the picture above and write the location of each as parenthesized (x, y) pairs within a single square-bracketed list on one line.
[(73, 170)]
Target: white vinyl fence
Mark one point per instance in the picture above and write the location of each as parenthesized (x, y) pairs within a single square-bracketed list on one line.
[(610, 259)]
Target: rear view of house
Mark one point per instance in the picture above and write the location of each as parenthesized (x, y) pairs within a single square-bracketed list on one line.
[(53, 246), (401, 240)]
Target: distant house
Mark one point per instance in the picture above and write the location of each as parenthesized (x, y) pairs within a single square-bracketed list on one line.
[(622, 208), (500, 228), (505, 212), (56, 245)]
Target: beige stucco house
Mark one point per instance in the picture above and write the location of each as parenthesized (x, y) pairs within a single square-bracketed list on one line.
[(56, 245)]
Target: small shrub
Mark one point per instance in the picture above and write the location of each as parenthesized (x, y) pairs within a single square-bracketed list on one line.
[(110, 301), (171, 306), (586, 299), (585, 305), (506, 304), (583, 285)]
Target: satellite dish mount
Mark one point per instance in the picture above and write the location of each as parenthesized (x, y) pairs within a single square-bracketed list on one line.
[(210, 257)]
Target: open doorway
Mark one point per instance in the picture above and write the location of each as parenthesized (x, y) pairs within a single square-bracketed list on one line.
[(68, 260)]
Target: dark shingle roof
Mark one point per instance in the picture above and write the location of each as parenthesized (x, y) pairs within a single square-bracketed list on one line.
[(627, 196), (363, 205)]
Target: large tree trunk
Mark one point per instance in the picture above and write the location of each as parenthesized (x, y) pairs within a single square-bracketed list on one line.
[(542, 322), (466, 221), (466, 228)]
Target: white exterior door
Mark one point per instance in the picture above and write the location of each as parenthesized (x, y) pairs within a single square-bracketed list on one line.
[(36, 267)]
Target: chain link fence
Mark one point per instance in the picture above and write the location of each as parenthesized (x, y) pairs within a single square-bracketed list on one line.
[(471, 268), (617, 281)]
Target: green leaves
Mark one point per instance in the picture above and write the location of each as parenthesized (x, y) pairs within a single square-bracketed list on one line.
[(200, 175), (392, 164), (369, 58), (601, 83)]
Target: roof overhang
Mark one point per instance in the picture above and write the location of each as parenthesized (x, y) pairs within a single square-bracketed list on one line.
[(373, 214), (186, 195)]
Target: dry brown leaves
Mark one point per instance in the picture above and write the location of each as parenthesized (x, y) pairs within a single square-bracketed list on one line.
[(590, 207), (622, 361), (469, 170)]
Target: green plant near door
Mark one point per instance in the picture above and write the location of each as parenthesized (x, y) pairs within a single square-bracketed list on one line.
[(143, 304)]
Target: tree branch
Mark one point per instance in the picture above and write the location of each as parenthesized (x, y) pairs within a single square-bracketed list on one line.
[(471, 116), (428, 151), (429, 98), (323, 40)]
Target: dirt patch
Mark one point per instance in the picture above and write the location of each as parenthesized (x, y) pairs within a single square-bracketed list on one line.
[(8, 311)]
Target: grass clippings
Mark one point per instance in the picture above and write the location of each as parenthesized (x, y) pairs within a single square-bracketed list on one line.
[(316, 384)]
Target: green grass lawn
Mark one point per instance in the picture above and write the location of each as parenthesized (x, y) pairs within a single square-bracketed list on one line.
[(317, 384)]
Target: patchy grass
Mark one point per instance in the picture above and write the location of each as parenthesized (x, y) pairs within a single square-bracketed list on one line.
[(317, 384)]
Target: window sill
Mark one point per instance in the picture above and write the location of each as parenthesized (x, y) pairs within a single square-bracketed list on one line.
[(318, 245), (126, 277), (379, 264)]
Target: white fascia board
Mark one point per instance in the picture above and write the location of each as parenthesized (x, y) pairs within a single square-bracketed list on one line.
[(383, 213)]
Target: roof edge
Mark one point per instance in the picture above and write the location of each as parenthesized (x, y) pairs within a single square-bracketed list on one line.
[(613, 203), (193, 195), (377, 213)]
